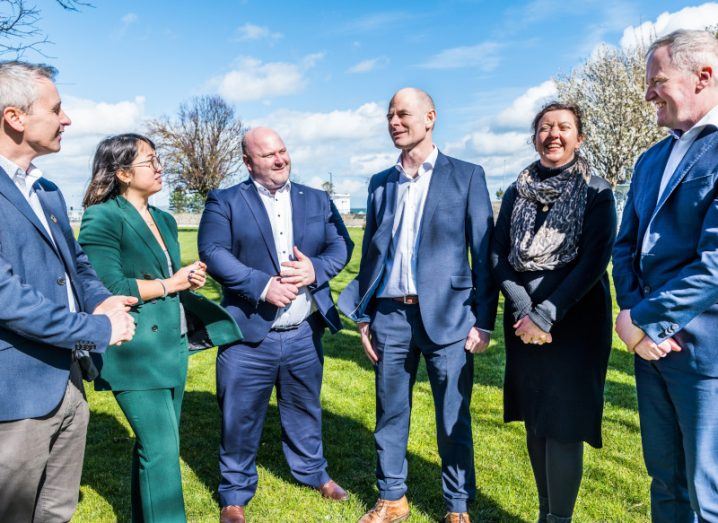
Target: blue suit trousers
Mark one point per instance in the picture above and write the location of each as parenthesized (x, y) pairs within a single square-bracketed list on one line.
[(679, 430), (400, 339), (246, 375)]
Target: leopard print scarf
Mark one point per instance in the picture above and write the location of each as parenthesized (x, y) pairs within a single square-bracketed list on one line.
[(555, 243)]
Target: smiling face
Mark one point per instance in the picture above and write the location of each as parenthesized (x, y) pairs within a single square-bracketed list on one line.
[(672, 90), (267, 158), (411, 119), (45, 121), (557, 138)]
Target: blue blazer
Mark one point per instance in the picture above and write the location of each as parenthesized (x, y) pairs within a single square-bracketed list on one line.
[(37, 330), (457, 219), (235, 241), (671, 287)]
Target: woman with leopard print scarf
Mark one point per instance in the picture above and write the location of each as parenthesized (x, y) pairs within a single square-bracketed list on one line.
[(551, 246)]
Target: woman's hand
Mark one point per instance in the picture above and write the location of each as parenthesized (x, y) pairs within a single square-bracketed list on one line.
[(192, 277), (531, 333)]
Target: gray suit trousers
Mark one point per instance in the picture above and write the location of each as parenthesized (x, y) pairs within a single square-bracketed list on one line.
[(41, 461)]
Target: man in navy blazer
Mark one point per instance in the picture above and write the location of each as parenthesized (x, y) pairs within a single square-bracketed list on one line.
[(416, 293), (53, 309), (665, 269), (273, 245)]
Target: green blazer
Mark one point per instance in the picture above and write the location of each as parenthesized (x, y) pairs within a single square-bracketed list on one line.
[(122, 249)]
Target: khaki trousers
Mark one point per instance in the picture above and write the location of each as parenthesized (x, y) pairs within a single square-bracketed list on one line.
[(41, 462)]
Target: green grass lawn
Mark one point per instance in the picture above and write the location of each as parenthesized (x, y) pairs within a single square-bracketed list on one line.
[(615, 485)]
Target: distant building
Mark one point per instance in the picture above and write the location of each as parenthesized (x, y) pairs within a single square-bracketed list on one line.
[(75, 215), (342, 202)]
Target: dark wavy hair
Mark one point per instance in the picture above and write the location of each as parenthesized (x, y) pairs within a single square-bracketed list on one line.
[(113, 154), (557, 106)]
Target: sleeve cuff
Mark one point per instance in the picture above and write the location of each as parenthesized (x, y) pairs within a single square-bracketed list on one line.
[(263, 296)]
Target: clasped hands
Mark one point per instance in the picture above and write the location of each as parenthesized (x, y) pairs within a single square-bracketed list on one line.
[(530, 333), (637, 341), (283, 289)]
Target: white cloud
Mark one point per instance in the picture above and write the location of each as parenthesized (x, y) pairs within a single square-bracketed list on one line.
[(91, 122), (350, 143), (372, 163), (369, 65), (522, 110), (252, 79), (697, 17), (247, 32), (128, 19), (364, 122), (483, 57)]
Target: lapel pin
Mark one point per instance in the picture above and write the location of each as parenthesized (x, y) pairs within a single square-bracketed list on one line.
[(52, 217)]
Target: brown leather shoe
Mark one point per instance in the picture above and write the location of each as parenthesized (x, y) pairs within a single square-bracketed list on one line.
[(456, 517), (331, 490), (232, 514), (386, 511)]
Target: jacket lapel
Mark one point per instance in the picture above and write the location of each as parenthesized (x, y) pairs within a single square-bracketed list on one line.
[(382, 236), (702, 143), (299, 214), (254, 202), (14, 196), (171, 242), (436, 191), (647, 195), (52, 209), (136, 223)]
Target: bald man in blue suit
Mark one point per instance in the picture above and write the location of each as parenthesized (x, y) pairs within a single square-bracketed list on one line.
[(416, 294)]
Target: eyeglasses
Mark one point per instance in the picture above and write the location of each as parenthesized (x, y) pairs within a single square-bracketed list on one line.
[(154, 162)]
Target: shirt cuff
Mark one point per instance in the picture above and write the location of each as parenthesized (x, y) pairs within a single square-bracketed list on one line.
[(263, 296), (486, 331)]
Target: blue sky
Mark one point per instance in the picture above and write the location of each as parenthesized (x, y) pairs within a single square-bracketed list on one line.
[(321, 73)]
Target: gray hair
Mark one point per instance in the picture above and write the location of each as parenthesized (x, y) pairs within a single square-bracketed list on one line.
[(689, 49), (17, 83)]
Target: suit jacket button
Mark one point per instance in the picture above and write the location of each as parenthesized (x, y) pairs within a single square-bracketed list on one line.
[(647, 289), (61, 281), (155, 328)]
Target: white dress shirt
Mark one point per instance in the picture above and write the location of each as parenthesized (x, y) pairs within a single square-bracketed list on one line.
[(24, 181), (400, 270), (279, 210), (680, 148)]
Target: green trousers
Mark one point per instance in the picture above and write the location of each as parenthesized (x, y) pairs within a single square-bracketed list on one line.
[(154, 416)]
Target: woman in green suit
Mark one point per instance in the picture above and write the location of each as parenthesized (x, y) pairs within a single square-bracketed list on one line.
[(134, 248)]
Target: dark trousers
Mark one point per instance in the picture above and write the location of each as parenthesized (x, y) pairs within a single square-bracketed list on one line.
[(679, 430), (41, 461), (246, 374), (400, 339)]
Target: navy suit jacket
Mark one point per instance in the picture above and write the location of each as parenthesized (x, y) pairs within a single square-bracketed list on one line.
[(671, 287), (37, 329), (457, 222), (235, 241)]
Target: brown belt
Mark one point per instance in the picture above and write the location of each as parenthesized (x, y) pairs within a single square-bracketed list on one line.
[(412, 299)]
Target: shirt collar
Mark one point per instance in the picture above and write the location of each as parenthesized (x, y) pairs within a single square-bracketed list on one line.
[(426, 166), (263, 190), (32, 175), (710, 118)]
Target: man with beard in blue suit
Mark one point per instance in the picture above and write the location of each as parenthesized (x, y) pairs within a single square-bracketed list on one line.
[(417, 294), (273, 245), (665, 269), (53, 310)]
